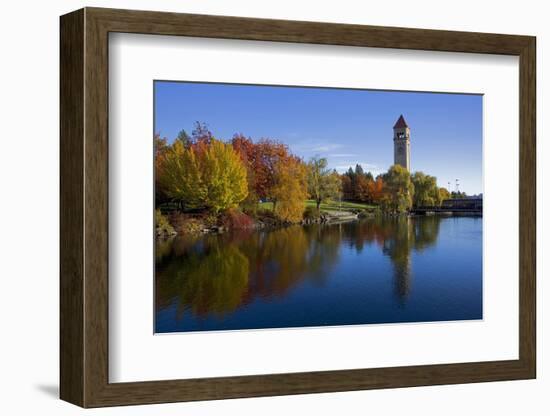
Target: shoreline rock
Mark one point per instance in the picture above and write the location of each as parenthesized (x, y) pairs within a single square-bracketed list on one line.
[(271, 223)]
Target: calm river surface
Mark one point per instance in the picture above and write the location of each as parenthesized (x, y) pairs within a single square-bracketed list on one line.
[(382, 270)]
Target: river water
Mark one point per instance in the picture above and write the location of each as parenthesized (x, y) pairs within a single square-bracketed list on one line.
[(382, 270)]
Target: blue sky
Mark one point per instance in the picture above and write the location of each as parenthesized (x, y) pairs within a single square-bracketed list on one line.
[(345, 126)]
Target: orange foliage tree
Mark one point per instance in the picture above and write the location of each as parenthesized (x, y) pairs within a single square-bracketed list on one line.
[(376, 189), (269, 157), (361, 191), (246, 149)]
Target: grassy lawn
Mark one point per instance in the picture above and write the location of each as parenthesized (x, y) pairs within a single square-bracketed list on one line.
[(330, 206)]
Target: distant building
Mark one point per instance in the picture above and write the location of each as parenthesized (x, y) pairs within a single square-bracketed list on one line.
[(469, 203), (402, 143)]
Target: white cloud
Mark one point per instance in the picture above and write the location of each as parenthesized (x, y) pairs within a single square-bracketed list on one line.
[(340, 155), (367, 167), (315, 146), (326, 148)]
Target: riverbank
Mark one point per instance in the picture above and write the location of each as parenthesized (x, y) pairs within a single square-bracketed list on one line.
[(177, 223), (171, 221)]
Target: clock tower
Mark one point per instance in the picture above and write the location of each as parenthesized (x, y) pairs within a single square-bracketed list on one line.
[(402, 144)]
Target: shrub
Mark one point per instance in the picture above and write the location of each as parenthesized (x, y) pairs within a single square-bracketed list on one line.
[(186, 224), (235, 219), (162, 224)]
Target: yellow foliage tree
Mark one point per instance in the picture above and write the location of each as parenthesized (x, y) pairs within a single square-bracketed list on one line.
[(290, 190), (180, 176), (443, 195), (210, 176), (225, 174)]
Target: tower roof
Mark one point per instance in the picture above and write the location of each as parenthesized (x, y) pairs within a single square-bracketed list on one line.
[(401, 123)]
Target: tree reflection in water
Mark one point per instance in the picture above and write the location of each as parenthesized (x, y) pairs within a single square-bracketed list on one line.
[(214, 275), (397, 237)]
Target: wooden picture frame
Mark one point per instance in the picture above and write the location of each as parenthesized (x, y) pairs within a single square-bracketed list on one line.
[(84, 207)]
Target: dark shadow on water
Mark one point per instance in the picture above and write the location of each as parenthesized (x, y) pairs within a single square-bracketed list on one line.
[(51, 390)]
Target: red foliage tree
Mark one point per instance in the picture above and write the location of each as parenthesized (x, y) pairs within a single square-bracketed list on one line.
[(262, 159)]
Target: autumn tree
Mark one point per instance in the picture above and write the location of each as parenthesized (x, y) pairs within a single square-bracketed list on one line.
[(443, 195), (201, 133), (376, 189), (273, 174), (245, 148), (209, 176), (261, 160), (160, 147), (323, 184), (357, 185), (290, 189), (426, 192), (399, 190), (361, 188), (247, 151), (225, 176), (179, 174), (269, 155)]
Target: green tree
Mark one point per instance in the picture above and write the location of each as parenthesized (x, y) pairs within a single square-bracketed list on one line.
[(323, 184), (426, 192), (399, 190), (458, 195), (184, 138)]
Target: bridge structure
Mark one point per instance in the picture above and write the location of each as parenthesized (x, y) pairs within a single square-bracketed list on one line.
[(458, 206)]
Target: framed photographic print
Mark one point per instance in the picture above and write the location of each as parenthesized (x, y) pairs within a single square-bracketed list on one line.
[(255, 207)]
